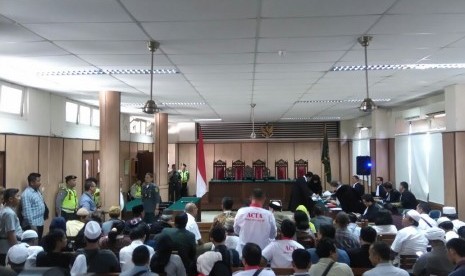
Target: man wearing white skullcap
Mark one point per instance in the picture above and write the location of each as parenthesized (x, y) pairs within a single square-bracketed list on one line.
[(451, 213), (410, 240), (17, 255), (436, 261)]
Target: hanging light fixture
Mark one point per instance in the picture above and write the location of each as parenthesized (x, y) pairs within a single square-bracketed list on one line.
[(253, 135), (368, 104), (150, 107)]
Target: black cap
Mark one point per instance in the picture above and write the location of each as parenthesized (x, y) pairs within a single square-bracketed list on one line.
[(70, 177)]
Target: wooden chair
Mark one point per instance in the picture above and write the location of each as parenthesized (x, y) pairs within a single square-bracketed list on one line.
[(300, 168), (407, 261), (204, 228), (358, 271), (281, 169), (283, 271), (238, 169), (219, 170), (259, 167), (387, 238)]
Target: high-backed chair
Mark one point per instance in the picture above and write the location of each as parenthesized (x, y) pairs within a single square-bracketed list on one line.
[(238, 169), (219, 170), (259, 167), (281, 169), (300, 168)]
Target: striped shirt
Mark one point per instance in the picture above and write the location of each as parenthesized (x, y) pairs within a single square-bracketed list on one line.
[(33, 207)]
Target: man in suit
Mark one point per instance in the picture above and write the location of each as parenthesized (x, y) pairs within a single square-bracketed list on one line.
[(348, 198), (380, 191), (407, 198), (371, 211), (392, 195), (359, 257), (301, 195), (359, 188)]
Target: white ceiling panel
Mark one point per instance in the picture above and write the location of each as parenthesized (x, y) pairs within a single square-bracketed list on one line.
[(212, 46), (319, 43), (49, 63), (458, 44), (310, 8), (224, 29), (31, 11), (288, 75), (30, 49), (125, 61), (218, 76), (301, 67), (183, 10), (419, 23), (208, 59), (405, 56), (412, 41), (15, 33), (299, 57), (104, 47), (88, 31), (427, 7), (316, 26)]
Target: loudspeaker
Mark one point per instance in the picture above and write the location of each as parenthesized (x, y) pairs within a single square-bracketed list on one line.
[(363, 165)]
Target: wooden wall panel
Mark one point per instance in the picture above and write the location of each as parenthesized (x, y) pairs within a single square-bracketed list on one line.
[(22, 158), (345, 161), (450, 180), (89, 145), (172, 154), (124, 154), (382, 159), (283, 151), (228, 152), (251, 152), (187, 155), (334, 157), (209, 150), (314, 158), (72, 161), (392, 160), (460, 172), (2, 142), (133, 149), (51, 170)]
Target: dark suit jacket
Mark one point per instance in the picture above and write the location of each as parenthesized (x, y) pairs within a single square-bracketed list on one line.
[(394, 196), (359, 188), (408, 200), (371, 214), (349, 200), (382, 192), (315, 187), (359, 257), (301, 195), (184, 243)]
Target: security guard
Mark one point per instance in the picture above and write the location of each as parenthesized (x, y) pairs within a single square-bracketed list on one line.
[(184, 179), (150, 198), (67, 201), (136, 189)]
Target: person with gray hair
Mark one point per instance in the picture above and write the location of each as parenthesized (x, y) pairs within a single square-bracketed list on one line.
[(191, 211)]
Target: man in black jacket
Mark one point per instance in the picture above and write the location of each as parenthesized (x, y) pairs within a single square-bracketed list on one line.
[(359, 256), (380, 190), (371, 211), (348, 198), (359, 188), (392, 195), (407, 198)]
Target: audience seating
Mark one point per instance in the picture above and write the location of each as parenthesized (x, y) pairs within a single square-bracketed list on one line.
[(407, 261), (204, 228), (387, 238)]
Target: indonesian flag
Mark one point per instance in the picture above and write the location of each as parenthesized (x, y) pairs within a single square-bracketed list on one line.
[(201, 172)]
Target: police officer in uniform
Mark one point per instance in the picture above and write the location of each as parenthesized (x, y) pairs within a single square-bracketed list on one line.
[(174, 182), (150, 198), (184, 179), (136, 190), (67, 201)]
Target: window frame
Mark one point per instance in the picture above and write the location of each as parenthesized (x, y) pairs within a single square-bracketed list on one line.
[(92, 110), (23, 98)]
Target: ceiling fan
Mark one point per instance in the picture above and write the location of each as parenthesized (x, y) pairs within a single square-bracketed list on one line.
[(150, 107), (368, 104)]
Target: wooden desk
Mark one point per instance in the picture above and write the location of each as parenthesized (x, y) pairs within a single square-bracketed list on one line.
[(240, 191)]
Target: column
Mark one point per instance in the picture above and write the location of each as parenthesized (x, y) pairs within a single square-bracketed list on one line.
[(160, 157), (379, 146), (109, 148)]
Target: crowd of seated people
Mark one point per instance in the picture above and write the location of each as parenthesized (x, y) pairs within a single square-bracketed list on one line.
[(255, 239)]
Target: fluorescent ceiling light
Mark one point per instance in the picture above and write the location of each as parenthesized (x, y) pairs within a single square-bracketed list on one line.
[(342, 101), (314, 118), (208, 120), (109, 72), (422, 66), (182, 104)]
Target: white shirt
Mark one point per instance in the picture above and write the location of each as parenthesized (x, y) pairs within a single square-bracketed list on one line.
[(377, 189), (422, 225), (231, 242), (385, 229), (451, 235), (125, 255), (279, 252), (250, 272), (32, 252), (409, 241), (386, 269), (192, 227), (254, 224)]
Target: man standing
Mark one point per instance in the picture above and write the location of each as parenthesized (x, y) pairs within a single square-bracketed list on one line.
[(357, 185), (150, 199), (380, 191), (407, 198), (184, 173), (255, 224), (10, 229), (87, 198), (67, 201), (348, 198), (192, 226), (174, 181), (33, 205)]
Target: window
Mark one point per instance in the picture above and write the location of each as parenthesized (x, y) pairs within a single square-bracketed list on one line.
[(140, 125), (11, 100), (82, 114)]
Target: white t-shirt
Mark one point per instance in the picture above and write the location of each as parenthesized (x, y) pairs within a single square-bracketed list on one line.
[(125, 255), (231, 242), (250, 272), (254, 224), (422, 225), (192, 227), (409, 241), (279, 252), (385, 229), (451, 235)]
